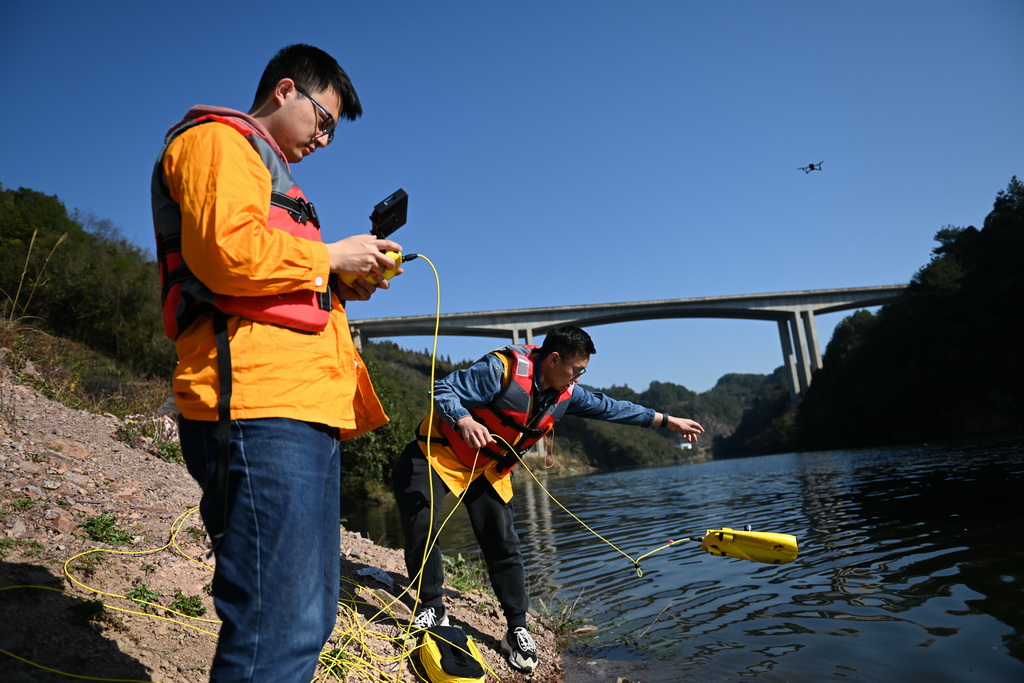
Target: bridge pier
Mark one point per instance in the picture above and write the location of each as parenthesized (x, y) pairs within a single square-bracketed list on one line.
[(788, 360), (812, 340), (527, 335), (800, 351)]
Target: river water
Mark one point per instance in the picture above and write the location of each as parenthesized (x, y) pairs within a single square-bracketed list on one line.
[(911, 566)]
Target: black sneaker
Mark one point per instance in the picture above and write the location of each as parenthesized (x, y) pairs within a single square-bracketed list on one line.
[(430, 617), (521, 650)]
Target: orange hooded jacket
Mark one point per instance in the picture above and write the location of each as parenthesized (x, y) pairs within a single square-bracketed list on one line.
[(223, 190)]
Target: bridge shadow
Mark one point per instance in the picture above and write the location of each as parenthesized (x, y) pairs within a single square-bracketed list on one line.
[(53, 629)]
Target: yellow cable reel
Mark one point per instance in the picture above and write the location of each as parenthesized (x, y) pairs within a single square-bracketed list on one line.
[(448, 655)]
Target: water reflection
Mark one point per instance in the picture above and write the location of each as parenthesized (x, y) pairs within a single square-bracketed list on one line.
[(909, 566)]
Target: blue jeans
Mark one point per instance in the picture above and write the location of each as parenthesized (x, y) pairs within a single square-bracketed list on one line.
[(278, 564)]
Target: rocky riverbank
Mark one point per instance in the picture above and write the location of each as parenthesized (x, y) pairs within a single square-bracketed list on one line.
[(87, 519)]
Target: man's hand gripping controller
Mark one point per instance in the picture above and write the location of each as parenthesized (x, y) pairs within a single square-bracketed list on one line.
[(349, 278)]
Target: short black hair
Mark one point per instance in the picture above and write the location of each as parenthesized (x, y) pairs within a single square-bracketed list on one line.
[(568, 341), (313, 70)]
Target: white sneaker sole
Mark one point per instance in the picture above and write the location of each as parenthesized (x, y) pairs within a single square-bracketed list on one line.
[(527, 668)]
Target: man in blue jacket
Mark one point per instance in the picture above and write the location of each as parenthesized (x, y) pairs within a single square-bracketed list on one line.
[(487, 416)]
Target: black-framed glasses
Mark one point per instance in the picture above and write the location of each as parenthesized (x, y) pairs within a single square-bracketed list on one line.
[(328, 126), (576, 372)]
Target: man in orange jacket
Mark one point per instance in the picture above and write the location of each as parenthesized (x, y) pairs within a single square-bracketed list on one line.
[(268, 379)]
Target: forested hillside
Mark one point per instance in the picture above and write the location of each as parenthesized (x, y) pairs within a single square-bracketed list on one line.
[(942, 362), (75, 276)]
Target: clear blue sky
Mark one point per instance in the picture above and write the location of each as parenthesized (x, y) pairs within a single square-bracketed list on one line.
[(568, 152)]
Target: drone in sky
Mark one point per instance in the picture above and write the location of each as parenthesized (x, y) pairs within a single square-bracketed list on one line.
[(811, 167)]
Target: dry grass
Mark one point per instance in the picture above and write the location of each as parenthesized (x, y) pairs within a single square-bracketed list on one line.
[(39, 279)]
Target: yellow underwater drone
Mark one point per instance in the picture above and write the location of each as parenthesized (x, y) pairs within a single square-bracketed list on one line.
[(745, 544), (756, 546)]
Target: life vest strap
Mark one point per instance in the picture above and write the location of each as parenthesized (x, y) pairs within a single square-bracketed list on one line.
[(506, 421), (220, 327), (301, 210), (505, 460)]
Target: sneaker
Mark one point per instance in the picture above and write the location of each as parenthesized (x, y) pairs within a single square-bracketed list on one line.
[(521, 650), (429, 618)]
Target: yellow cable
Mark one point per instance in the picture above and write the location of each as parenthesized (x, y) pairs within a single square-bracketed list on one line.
[(433, 538), (70, 675), (636, 562), (175, 528)]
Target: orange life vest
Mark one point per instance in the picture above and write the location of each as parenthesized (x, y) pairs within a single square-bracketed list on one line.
[(510, 414), (184, 296)]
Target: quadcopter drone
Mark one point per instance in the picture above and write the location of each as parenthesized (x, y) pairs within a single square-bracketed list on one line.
[(811, 167)]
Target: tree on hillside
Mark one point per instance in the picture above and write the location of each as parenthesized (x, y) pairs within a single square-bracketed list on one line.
[(943, 360), (87, 282), (31, 224), (764, 423)]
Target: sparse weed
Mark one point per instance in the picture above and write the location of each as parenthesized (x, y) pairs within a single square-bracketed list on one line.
[(29, 548), (145, 596), (463, 574), (335, 663), (130, 432), (103, 529), (169, 451), (38, 280), (158, 435), (189, 605), (561, 617), (78, 377), (88, 611), (87, 564)]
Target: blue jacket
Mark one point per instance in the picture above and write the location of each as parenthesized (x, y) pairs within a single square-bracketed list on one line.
[(478, 384)]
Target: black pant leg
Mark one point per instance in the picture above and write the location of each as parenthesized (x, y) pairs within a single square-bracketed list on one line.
[(412, 478), (492, 521)]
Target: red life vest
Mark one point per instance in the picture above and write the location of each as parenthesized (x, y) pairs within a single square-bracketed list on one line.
[(184, 297), (508, 415)]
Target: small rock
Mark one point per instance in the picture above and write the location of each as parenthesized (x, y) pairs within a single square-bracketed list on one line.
[(29, 467)]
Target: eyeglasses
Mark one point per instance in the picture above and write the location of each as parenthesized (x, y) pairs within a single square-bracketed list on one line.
[(328, 126), (576, 372)]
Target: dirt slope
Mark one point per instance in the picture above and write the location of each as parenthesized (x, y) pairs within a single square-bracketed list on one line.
[(63, 468)]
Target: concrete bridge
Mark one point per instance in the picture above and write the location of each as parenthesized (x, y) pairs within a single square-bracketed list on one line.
[(793, 312)]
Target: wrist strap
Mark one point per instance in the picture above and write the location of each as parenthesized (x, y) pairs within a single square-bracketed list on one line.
[(664, 420)]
